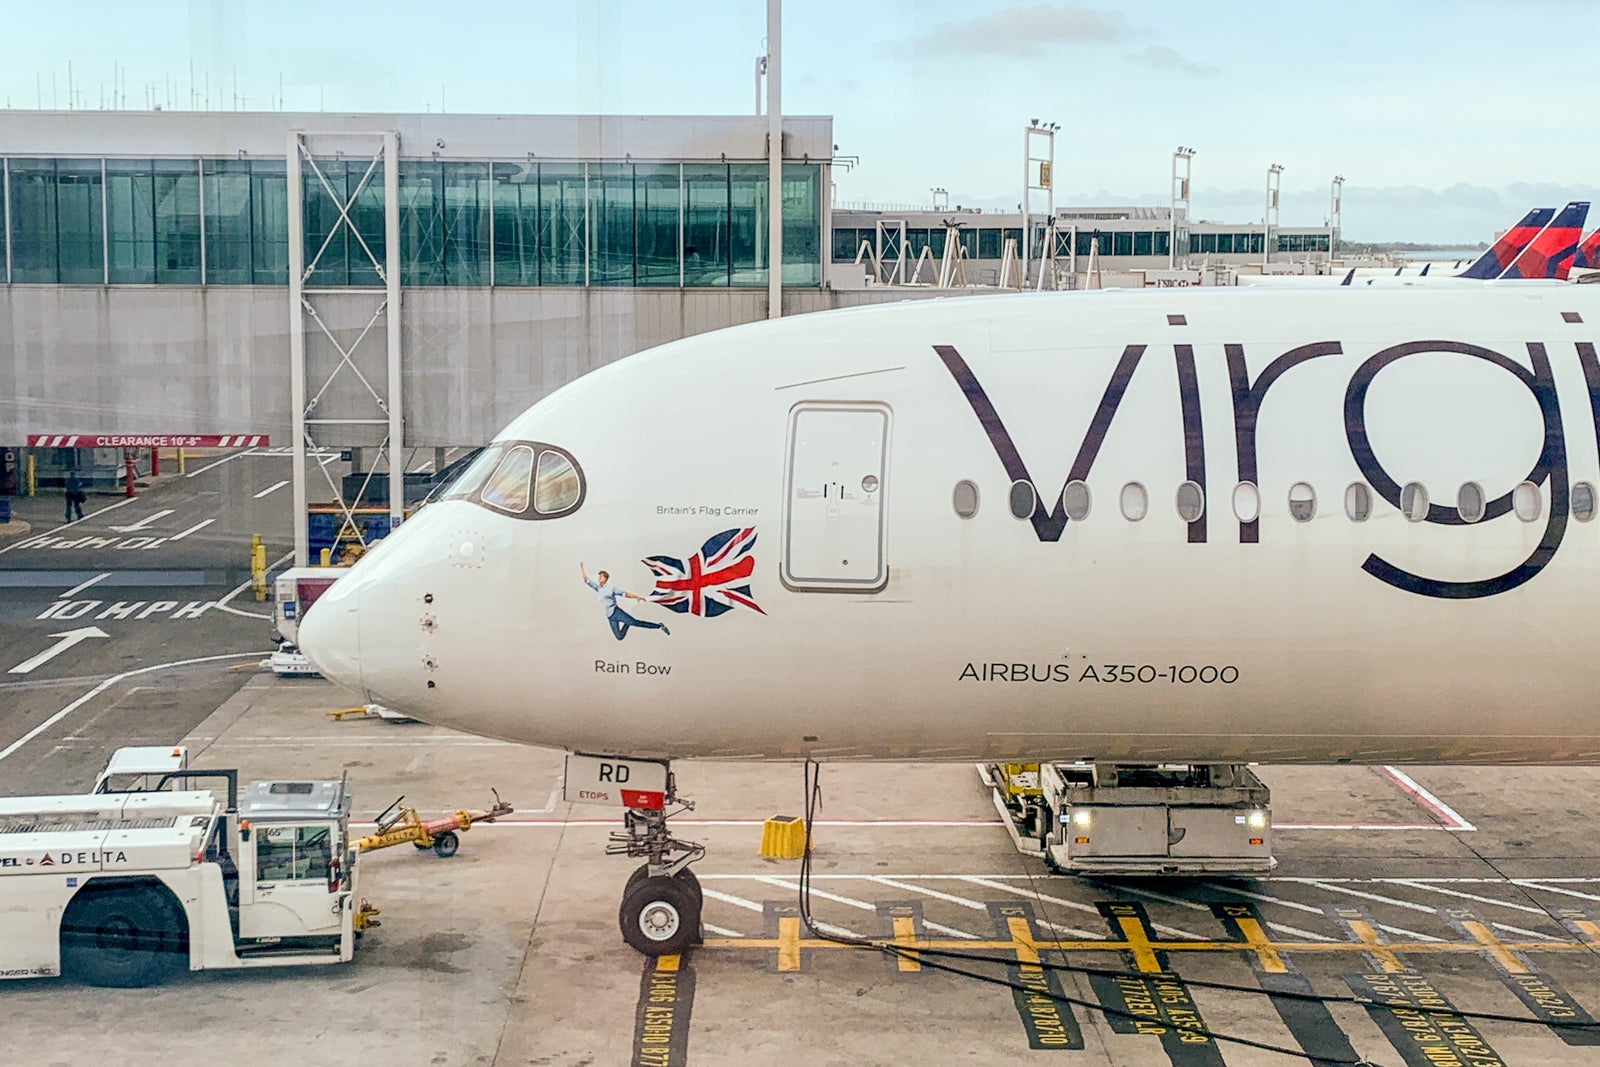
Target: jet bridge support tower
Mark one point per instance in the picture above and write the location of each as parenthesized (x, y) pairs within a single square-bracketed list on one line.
[(345, 357)]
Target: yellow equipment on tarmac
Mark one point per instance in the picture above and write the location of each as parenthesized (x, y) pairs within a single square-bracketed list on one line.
[(397, 825)]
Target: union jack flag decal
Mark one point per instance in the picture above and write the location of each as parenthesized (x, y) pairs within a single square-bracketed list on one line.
[(714, 580)]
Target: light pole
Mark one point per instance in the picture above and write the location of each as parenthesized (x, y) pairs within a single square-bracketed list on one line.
[(941, 199), (1182, 159), (1270, 218), (1335, 210), (1036, 179)]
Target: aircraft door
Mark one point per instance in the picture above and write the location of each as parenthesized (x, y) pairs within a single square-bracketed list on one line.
[(835, 485)]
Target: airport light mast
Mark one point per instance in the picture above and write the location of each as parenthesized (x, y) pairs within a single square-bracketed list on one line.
[(1182, 159), (1270, 219), (1335, 210), (1037, 176)]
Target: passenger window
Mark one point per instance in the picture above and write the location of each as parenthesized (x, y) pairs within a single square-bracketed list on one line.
[(1191, 502), (1076, 500), (1470, 504), (1135, 502), (1246, 502), (557, 486), (1302, 502), (1358, 502), (965, 499), (1023, 499), (507, 488), (475, 474), (1414, 502), (1527, 502), (1583, 501)]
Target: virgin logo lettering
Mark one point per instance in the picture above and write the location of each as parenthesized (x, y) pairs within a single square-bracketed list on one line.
[(1248, 397)]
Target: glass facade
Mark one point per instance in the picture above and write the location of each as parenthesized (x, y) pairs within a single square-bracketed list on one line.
[(989, 242), (225, 222)]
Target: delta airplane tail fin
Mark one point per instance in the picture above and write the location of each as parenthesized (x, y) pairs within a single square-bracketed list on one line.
[(1588, 257), (1504, 252), (1550, 254)]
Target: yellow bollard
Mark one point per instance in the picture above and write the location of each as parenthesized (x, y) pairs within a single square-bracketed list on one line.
[(783, 837), (258, 566), (325, 558), (32, 480), (180, 461)]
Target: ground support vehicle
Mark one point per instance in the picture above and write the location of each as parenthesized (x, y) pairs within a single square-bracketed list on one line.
[(293, 593), (1171, 819), (127, 888), (397, 827)]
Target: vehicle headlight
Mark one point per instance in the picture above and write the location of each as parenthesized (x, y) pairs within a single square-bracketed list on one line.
[(1081, 817), (1258, 820)]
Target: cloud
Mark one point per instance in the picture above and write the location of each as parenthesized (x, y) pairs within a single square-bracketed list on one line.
[(1160, 57), (1026, 31)]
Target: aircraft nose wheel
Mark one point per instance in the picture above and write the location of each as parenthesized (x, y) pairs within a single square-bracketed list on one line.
[(660, 916)]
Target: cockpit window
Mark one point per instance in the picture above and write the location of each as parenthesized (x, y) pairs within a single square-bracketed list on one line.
[(557, 487), (471, 480), (509, 476), (507, 489)]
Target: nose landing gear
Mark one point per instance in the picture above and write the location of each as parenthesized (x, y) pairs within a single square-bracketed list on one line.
[(660, 912)]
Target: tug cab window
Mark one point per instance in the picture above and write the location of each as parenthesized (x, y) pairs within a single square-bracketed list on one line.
[(525, 479), (292, 853)]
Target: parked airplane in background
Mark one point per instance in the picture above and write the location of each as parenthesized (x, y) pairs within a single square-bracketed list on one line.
[(1178, 525)]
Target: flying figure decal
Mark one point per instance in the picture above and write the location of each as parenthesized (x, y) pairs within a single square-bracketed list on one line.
[(713, 581)]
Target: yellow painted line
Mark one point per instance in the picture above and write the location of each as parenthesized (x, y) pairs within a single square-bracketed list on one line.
[(788, 943), (1163, 946), (1371, 942), (1482, 934), (1027, 954), (1139, 943), (1268, 957), (669, 962), (905, 934), (1590, 930)]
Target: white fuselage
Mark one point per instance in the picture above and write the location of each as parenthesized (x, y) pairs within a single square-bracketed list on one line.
[(888, 626)]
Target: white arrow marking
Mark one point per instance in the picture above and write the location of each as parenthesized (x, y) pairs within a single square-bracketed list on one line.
[(142, 523), (68, 639)]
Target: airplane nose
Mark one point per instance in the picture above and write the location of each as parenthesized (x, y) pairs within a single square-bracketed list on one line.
[(330, 634)]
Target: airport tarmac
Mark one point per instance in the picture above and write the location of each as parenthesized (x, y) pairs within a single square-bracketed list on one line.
[(1460, 890), (1481, 893)]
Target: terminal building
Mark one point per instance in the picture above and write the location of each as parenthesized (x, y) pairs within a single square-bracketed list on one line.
[(394, 282)]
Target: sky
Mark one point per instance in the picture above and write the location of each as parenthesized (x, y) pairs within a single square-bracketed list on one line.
[(1445, 121)]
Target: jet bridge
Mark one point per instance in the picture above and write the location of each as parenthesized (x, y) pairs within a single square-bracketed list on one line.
[(1120, 819)]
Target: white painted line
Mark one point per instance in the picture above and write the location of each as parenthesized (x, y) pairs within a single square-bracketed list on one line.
[(223, 605), (224, 459), (720, 931), (863, 905), (1374, 897), (34, 537), (729, 898), (1414, 884), (1400, 930), (81, 586), (107, 684), (1531, 884), (1076, 905), (201, 525), (272, 488), (1447, 816), (925, 891)]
